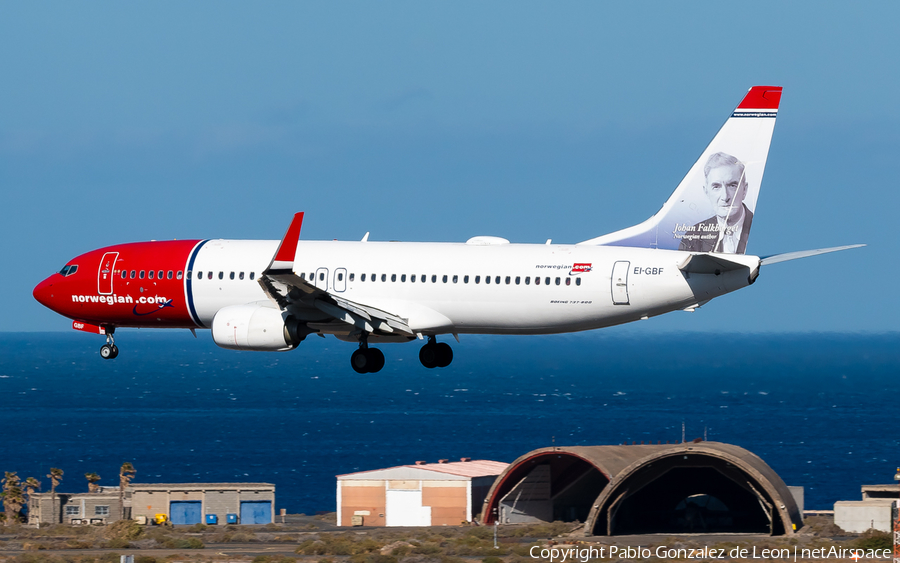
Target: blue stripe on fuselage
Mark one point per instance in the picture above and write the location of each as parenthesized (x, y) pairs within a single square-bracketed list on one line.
[(189, 281)]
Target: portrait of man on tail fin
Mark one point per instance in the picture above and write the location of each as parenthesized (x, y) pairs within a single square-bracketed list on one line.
[(725, 184)]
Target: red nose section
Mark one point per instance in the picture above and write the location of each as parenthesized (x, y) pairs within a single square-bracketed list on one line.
[(43, 292)]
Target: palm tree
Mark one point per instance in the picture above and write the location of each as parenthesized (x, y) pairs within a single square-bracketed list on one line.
[(126, 474), (92, 479), (55, 476), (13, 498), (31, 485)]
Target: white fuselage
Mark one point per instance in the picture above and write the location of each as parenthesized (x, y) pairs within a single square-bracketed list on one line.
[(442, 287)]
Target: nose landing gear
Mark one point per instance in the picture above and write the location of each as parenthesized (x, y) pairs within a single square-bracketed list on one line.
[(365, 359), (435, 354), (109, 350)]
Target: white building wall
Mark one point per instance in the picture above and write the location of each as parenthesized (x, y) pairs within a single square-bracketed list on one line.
[(859, 516)]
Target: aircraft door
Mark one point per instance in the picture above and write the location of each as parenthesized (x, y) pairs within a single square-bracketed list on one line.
[(340, 279), (322, 279), (105, 273), (620, 283)]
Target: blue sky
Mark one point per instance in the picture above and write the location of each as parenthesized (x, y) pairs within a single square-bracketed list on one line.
[(441, 121)]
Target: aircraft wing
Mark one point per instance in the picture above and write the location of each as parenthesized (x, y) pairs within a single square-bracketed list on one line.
[(293, 293), (774, 259)]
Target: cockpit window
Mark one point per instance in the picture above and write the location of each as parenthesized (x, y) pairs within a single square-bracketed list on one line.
[(69, 269)]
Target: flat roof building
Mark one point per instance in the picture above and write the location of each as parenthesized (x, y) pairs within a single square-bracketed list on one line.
[(424, 494), (182, 503)]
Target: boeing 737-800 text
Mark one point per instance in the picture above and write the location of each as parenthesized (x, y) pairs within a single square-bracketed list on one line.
[(266, 295)]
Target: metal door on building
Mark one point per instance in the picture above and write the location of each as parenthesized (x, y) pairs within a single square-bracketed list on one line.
[(340, 279), (321, 280), (256, 512), (105, 273), (404, 508), (186, 512), (620, 283)]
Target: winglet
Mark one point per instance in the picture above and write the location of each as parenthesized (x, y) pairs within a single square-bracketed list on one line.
[(284, 256)]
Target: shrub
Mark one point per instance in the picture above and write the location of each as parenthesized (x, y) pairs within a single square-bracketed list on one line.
[(874, 539), (198, 528), (183, 543)]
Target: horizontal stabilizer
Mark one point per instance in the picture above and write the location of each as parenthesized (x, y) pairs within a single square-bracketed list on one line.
[(709, 264), (776, 258)]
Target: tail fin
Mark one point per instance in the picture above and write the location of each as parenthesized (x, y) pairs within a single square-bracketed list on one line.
[(712, 208)]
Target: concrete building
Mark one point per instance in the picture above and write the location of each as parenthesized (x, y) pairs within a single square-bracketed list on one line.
[(424, 494), (182, 503), (206, 503), (695, 487), (101, 507), (872, 512)]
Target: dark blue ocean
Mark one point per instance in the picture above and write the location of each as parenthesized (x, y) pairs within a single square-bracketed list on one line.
[(821, 409)]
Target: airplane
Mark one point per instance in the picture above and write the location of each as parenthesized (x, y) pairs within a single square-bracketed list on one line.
[(271, 295)]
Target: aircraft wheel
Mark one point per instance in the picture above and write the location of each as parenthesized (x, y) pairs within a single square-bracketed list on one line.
[(376, 360), (106, 352), (444, 354), (428, 355), (360, 361), (115, 352)]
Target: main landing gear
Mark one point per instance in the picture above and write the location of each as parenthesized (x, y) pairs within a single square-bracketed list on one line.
[(436, 354), (365, 359), (109, 350)]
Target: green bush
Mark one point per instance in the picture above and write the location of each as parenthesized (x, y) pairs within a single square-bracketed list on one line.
[(183, 543), (198, 528), (873, 539), (117, 543)]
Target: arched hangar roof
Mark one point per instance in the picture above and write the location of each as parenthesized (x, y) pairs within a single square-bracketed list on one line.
[(624, 481)]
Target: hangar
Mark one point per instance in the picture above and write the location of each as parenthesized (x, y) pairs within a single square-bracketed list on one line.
[(699, 487), (424, 494)]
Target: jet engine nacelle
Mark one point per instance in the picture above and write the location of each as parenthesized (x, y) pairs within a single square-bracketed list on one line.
[(254, 327)]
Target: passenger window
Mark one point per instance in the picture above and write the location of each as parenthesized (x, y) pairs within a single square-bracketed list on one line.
[(465, 279), (507, 280), (393, 277), (383, 277), (252, 275), (241, 276), (362, 277), (372, 277), (557, 281), (312, 276), (403, 278), (231, 276), (124, 274), (577, 281), (199, 275), (412, 278), (568, 281), (340, 276), (209, 275), (132, 274), (518, 279), (527, 280), (487, 279), (169, 275), (160, 275), (433, 278), (546, 281), (141, 274), (188, 274), (455, 279), (497, 279), (444, 279), (537, 281), (150, 275), (477, 279), (423, 278), (353, 276)]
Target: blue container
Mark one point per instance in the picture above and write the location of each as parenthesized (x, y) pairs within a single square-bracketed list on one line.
[(212, 519), (231, 518)]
